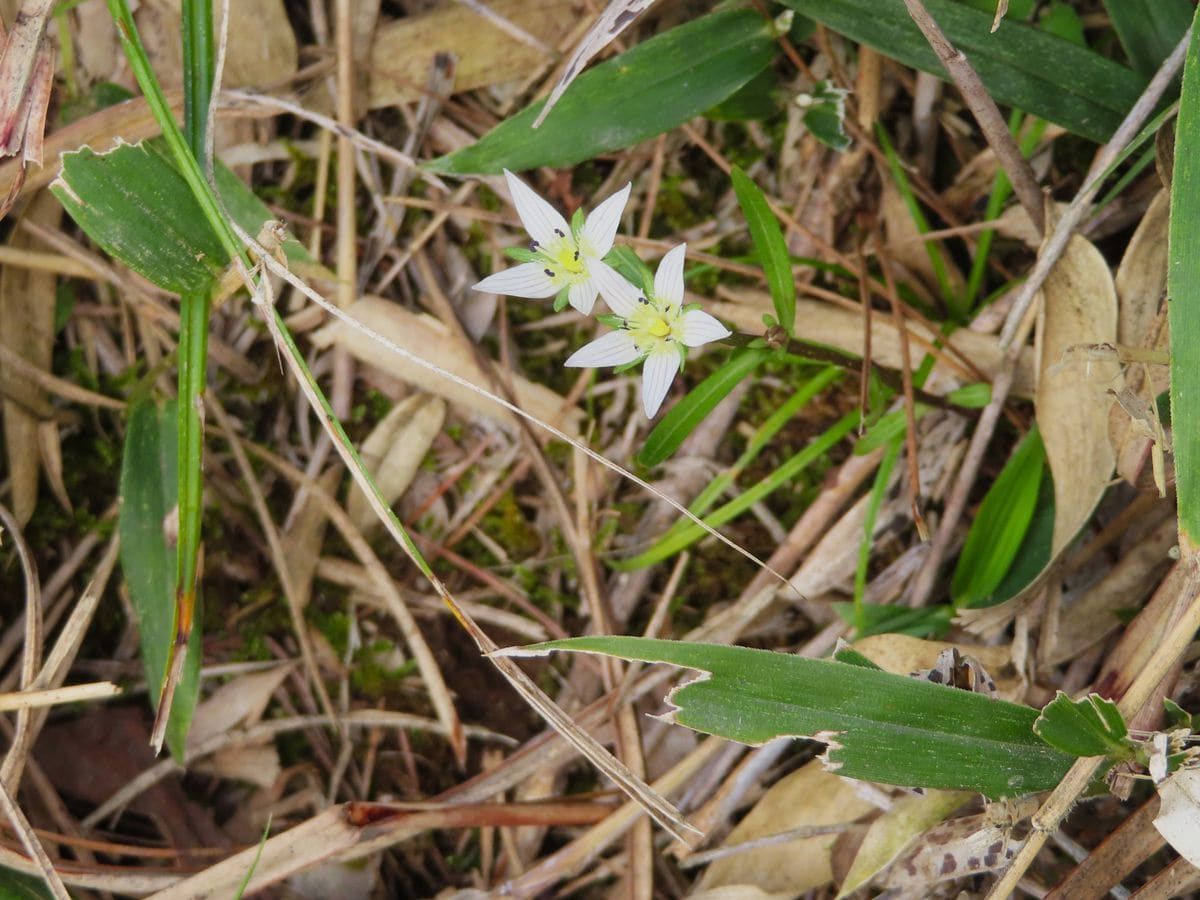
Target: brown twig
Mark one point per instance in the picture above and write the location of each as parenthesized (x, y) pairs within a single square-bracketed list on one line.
[(983, 107)]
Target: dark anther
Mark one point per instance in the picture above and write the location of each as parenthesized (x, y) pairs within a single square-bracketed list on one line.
[(549, 273), (643, 301), (559, 232), (533, 245), (577, 255)]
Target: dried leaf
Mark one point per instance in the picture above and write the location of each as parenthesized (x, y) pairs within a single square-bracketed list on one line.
[(255, 764), (429, 339), (241, 701), (809, 796), (1141, 278), (394, 450), (892, 832), (972, 845), (1178, 818), (1072, 399)]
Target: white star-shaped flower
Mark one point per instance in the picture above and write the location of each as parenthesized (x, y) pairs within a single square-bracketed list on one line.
[(657, 328), (562, 259)]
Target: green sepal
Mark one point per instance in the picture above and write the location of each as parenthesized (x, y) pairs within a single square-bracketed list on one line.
[(612, 320), (625, 367), (521, 254), (562, 299), (577, 221), (682, 355)]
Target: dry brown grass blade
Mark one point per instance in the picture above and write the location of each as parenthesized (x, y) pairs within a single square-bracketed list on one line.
[(76, 693), (617, 16), (14, 759), (27, 304), (26, 79)]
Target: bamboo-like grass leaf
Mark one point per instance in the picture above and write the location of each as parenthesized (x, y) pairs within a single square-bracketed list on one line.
[(771, 247), (1183, 289), (1021, 66), (148, 558), (879, 727), (1149, 29), (689, 412), (1089, 727), (652, 88), (1000, 525)]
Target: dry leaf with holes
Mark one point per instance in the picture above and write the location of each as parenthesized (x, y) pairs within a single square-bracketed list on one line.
[(889, 835), (1072, 401), (393, 451), (972, 845), (810, 796)]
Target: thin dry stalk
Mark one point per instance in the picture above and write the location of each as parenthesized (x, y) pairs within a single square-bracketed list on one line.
[(32, 845), (31, 659), (983, 107)]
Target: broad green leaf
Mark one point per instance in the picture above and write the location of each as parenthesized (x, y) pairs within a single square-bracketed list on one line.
[(148, 559), (691, 410), (1183, 288), (1089, 727), (880, 727), (652, 88), (771, 247), (133, 202), (1000, 525), (685, 532), (1149, 29), (1021, 65), (19, 886), (759, 98)]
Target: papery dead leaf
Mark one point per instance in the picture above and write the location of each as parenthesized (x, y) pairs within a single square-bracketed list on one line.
[(1178, 819), (1141, 278), (429, 339), (892, 832), (257, 764), (241, 701), (394, 450), (808, 796), (902, 655), (1072, 400), (404, 51)]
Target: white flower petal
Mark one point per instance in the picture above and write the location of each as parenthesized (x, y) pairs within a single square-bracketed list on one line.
[(527, 280), (539, 218), (668, 280), (613, 349), (582, 295), (700, 328), (619, 294), (601, 226), (657, 375)]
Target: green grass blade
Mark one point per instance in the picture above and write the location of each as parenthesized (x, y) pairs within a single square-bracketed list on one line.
[(771, 247), (886, 728), (875, 499), (148, 493), (1000, 526), (1021, 66), (689, 412), (645, 91), (686, 533), (1183, 290), (1149, 29)]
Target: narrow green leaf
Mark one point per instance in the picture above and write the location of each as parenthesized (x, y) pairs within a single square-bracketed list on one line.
[(971, 396), (1149, 29), (19, 886), (771, 247), (1000, 525), (692, 409), (685, 532), (887, 618), (884, 727), (652, 88), (148, 560), (1089, 727), (1183, 289), (1021, 65)]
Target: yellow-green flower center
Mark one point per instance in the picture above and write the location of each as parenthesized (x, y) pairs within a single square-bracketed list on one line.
[(652, 325)]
